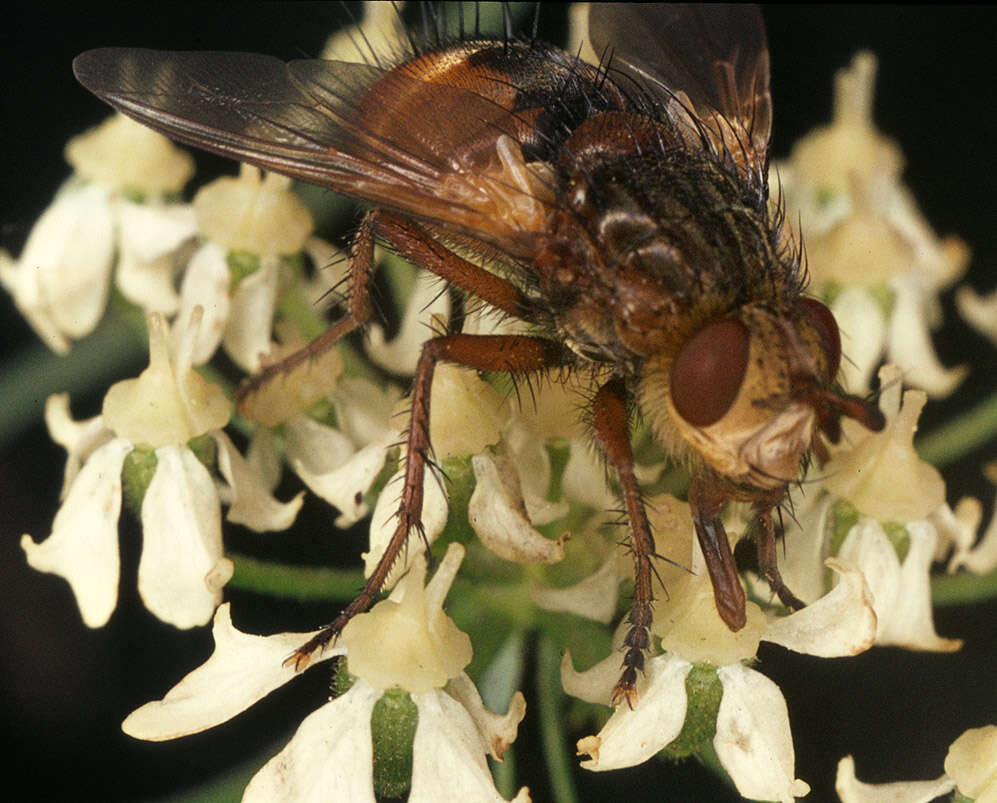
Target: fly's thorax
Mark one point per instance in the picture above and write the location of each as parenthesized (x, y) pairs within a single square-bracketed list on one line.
[(741, 396)]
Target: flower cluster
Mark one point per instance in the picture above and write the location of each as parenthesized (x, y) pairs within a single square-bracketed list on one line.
[(514, 514)]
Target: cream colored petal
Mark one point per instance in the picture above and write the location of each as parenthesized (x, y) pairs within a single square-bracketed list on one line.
[(329, 758), (407, 641), (632, 736), (365, 410), (250, 501), (148, 238), (255, 212), (979, 311), (980, 556), (242, 670), (61, 281), (468, 414), (863, 336), (972, 763), (843, 622), (801, 559), (327, 462), (498, 731), (83, 546), (909, 343), (384, 521), (584, 478), (79, 438), (448, 755), (595, 684), (595, 597), (498, 515), (901, 593), (426, 303), (753, 739), (181, 541), (247, 334), (851, 790), (123, 154), (206, 283)]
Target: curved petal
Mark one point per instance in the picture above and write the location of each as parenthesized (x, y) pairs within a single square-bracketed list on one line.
[(851, 790), (83, 546), (448, 755), (753, 740), (330, 756), (425, 304), (497, 730), (632, 736), (842, 622), (242, 670), (247, 334), (182, 541), (251, 503), (206, 284)]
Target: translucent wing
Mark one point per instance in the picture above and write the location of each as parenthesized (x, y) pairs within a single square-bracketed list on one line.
[(391, 138), (711, 59)]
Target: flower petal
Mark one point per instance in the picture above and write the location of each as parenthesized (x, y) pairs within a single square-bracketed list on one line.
[(498, 731), (448, 755), (247, 334), (327, 462), (901, 593), (632, 736), (83, 546), (863, 336), (251, 503), (181, 541), (972, 763), (595, 597), (242, 670), (79, 438), (851, 790), (61, 281), (425, 304), (909, 342), (843, 622), (498, 516), (753, 740), (330, 756), (206, 283)]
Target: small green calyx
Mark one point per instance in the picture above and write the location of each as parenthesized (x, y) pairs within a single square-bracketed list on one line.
[(393, 723), (136, 474), (240, 265), (704, 691)]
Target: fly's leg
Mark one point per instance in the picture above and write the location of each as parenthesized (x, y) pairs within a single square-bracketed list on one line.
[(412, 242), (767, 564), (610, 421), (707, 498), (496, 353)]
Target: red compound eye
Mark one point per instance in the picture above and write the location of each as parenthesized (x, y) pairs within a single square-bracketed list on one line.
[(822, 320), (708, 371)]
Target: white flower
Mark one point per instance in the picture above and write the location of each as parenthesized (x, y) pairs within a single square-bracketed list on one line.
[(892, 535), (152, 418), (970, 767), (61, 281), (259, 218), (752, 735), (405, 642), (869, 250)]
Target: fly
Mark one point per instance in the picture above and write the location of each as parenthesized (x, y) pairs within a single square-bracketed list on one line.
[(625, 210)]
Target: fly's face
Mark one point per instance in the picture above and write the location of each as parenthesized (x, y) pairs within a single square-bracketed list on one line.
[(746, 394), (623, 211)]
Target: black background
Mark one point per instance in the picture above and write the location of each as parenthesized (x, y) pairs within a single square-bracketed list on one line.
[(65, 689)]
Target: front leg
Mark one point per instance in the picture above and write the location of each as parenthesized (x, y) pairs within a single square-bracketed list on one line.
[(610, 422)]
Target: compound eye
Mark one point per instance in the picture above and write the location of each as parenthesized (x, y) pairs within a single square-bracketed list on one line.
[(822, 321), (708, 371)]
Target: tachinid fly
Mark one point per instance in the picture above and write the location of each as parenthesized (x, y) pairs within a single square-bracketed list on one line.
[(624, 211)]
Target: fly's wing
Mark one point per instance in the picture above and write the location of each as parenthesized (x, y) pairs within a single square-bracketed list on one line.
[(709, 59), (418, 147)]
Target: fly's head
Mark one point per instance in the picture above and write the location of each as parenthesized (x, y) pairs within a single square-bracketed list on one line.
[(748, 395)]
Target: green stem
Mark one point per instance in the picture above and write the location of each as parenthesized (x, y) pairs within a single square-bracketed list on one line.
[(553, 735), (305, 583), (962, 588), (960, 435)]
